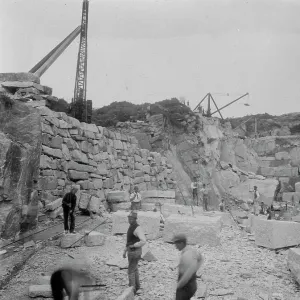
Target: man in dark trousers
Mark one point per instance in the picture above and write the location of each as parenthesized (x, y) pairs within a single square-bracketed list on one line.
[(68, 204), (135, 241), (190, 262)]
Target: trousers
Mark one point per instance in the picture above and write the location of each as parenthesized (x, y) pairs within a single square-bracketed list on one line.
[(67, 214), (205, 202), (188, 291), (134, 255)]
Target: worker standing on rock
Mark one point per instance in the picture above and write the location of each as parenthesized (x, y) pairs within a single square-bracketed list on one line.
[(194, 186), (68, 204), (135, 241), (256, 204), (189, 264), (136, 199), (204, 191)]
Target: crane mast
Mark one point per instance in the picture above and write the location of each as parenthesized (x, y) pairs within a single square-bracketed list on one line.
[(82, 108)]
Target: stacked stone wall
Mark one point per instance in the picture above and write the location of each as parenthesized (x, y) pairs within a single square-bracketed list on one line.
[(96, 159)]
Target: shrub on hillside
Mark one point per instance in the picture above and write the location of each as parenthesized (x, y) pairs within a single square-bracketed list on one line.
[(124, 111)]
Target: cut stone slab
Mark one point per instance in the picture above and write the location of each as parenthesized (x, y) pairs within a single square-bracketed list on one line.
[(276, 234), (160, 200), (158, 194), (117, 196), (293, 263), (71, 240), (94, 238), (201, 230), (121, 206), (54, 204), (41, 290), (128, 294), (150, 222), (22, 76)]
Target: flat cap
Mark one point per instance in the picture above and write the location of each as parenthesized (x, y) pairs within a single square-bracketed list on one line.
[(179, 237), (133, 214)]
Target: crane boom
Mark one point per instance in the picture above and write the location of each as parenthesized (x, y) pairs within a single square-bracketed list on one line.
[(230, 103)]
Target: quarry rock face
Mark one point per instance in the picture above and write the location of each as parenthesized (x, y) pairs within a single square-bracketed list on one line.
[(20, 131), (200, 230)]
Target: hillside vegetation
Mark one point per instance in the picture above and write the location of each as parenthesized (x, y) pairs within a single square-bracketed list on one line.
[(124, 111)]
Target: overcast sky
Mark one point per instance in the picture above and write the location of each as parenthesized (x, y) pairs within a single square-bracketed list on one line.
[(147, 51)]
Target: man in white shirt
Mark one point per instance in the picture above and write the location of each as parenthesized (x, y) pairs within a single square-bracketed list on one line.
[(205, 193), (136, 199), (194, 187), (256, 200), (189, 264)]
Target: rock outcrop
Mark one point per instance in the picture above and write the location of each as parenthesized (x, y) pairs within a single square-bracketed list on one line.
[(20, 133)]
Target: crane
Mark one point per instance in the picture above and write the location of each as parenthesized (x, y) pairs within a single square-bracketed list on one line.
[(218, 110), (82, 108)]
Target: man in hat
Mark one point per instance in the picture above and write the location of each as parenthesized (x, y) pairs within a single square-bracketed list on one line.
[(68, 204), (135, 199), (189, 264), (135, 241), (205, 193)]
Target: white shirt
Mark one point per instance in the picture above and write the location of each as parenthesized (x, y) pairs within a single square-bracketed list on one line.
[(135, 197)]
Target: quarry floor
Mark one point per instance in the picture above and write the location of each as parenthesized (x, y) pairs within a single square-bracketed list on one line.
[(237, 269)]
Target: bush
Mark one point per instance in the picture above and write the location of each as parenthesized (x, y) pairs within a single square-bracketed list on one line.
[(124, 111)]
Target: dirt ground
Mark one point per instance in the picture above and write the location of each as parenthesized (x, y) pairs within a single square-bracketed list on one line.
[(237, 269)]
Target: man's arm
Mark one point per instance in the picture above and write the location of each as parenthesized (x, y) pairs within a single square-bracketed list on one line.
[(193, 261), (132, 196), (65, 199), (140, 234), (73, 202)]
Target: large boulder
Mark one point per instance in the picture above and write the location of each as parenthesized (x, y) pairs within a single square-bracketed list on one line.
[(201, 230), (149, 221), (276, 234), (20, 145)]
